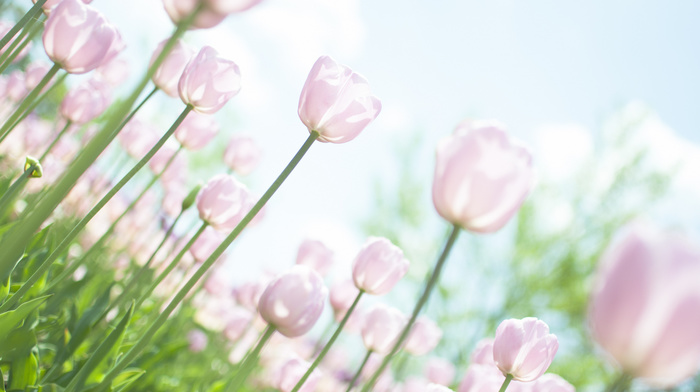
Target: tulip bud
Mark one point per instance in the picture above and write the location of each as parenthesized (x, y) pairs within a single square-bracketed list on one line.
[(316, 255), (481, 177), (439, 371), (482, 378), (167, 76), (342, 295), (379, 266), (85, 102), (524, 348), (291, 372), (196, 131), (226, 7), (34, 73), (242, 155), (209, 81), (205, 245), (114, 72), (33, 162), (223, 202), (191, 197), (293, 301), (424, 337), (137, 138), (180, 9), (552, 383), (336, 102), (79, 38), (645, 306), (483, 353), (383, 325)]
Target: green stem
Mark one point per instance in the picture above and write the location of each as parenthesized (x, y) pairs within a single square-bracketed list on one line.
[(432, 281), (171, 266), (41, 98), (621, 384), (15, 240), (46, 264), (14, 190), (323, 352), (140, 273), (327, 331), (163, 316), (31, 14), (133, 112), (250, 361), (16, 47), (55, 140), (507, 381), (359, 370), (27, 101)]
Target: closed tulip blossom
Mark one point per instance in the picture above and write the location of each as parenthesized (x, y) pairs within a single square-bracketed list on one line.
[(223, 202), (114, 72), (481, 177), (196, 131), (79, 38), (336, 102), (205, 245), (316, 255), (175, 170), (293, 301), (424, 337), (180, 9), (85, 102), (49, 4), (242, 154), (439, 371), (524, 348), (137, 138), (483, 352), (378, 266), (383, 324), (437, 388), (342, 295), (552, 383), (291, 372), (209, 81), (645, 306), (230, 6), (34, 73), (167, 75)]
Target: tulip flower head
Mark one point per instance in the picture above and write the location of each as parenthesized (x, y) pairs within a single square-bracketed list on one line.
[(293, 301), (168, 74), (336, 102), (223, 202), (242, 155), (524, 348), (291, 372), (316, 255), (645, 307), (424, 337), (209, 81), (481, 177), (179, 10), (196, 131), (379, 266), (85, 102), (383, 325), (439, 371), (79, 38)]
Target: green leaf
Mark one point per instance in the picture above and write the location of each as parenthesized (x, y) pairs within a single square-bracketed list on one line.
[(125, 378), (50, 388), (19, 343), (101, 353), (13, 319), (23, 372)]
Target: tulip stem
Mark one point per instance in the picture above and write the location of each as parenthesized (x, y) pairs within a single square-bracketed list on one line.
[(432, 281), (507, 381), (55, 140), (27, 101), (621, 384), (46, 264), (359, 370), (323, 352), (163, 316), (41, 98), (31, 14), (19, 44), (250, 361), (14, 189), (171, 266)]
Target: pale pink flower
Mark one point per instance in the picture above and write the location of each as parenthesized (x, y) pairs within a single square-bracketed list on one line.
[(316, 255), (378, 266), (226, 7), (383, 325), (205, 245), (223, 202), (198, 340), (439, 371), (524, 348), (34, 73), (85, 102), (291, 372), (167, 76), (424, 336), (342, 295), (114, 72), (209, 81), (180, 9), (196, 131), (242, 154)]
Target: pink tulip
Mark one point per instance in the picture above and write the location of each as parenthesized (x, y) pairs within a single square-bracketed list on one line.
[(198, 340), (16, 87), (342, 295), (223, 202), (238, 322), (379, 266), (226, 7), (79, 38), (52, 3), (293, 301), (552, 383), (424, 337), (137, 138), (179, 9), (114, 72), (167, 76), (483, 352), (336, 102), (205, 245), (439, 371), (414, 384), (242, 155), (85, 102), (645, 306), (172, 201), (437, 388), (4, 29), (196, 131), (481, 177), (34, 73), (175, 171), (383, 324), (524, 348), (209, 81), (291, 372), (248, 294), (482, 378), (316, 255)]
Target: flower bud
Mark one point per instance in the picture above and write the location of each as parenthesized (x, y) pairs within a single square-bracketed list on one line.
[(242, 155), (424, 337), (226, 7), (167, 76), (383, 325), (223, 202), (85, 102), (342, 295), (481, 177), (379, 266), (209, 81), (205, 245), (439, 371), (336, 102), (524, 348), (293, 301), (196, 131), (191, 197), (30, 162), (180, 9), (316, 255), (292, 371)]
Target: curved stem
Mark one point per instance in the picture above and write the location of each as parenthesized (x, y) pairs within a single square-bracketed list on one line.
[(171, 266), (46, 264), (359, 370), (55, 140), (26, 102), (507, 381), (432, 281), (14, 189), (250, 361), (323, 352), (32, 13), (163, 316)]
